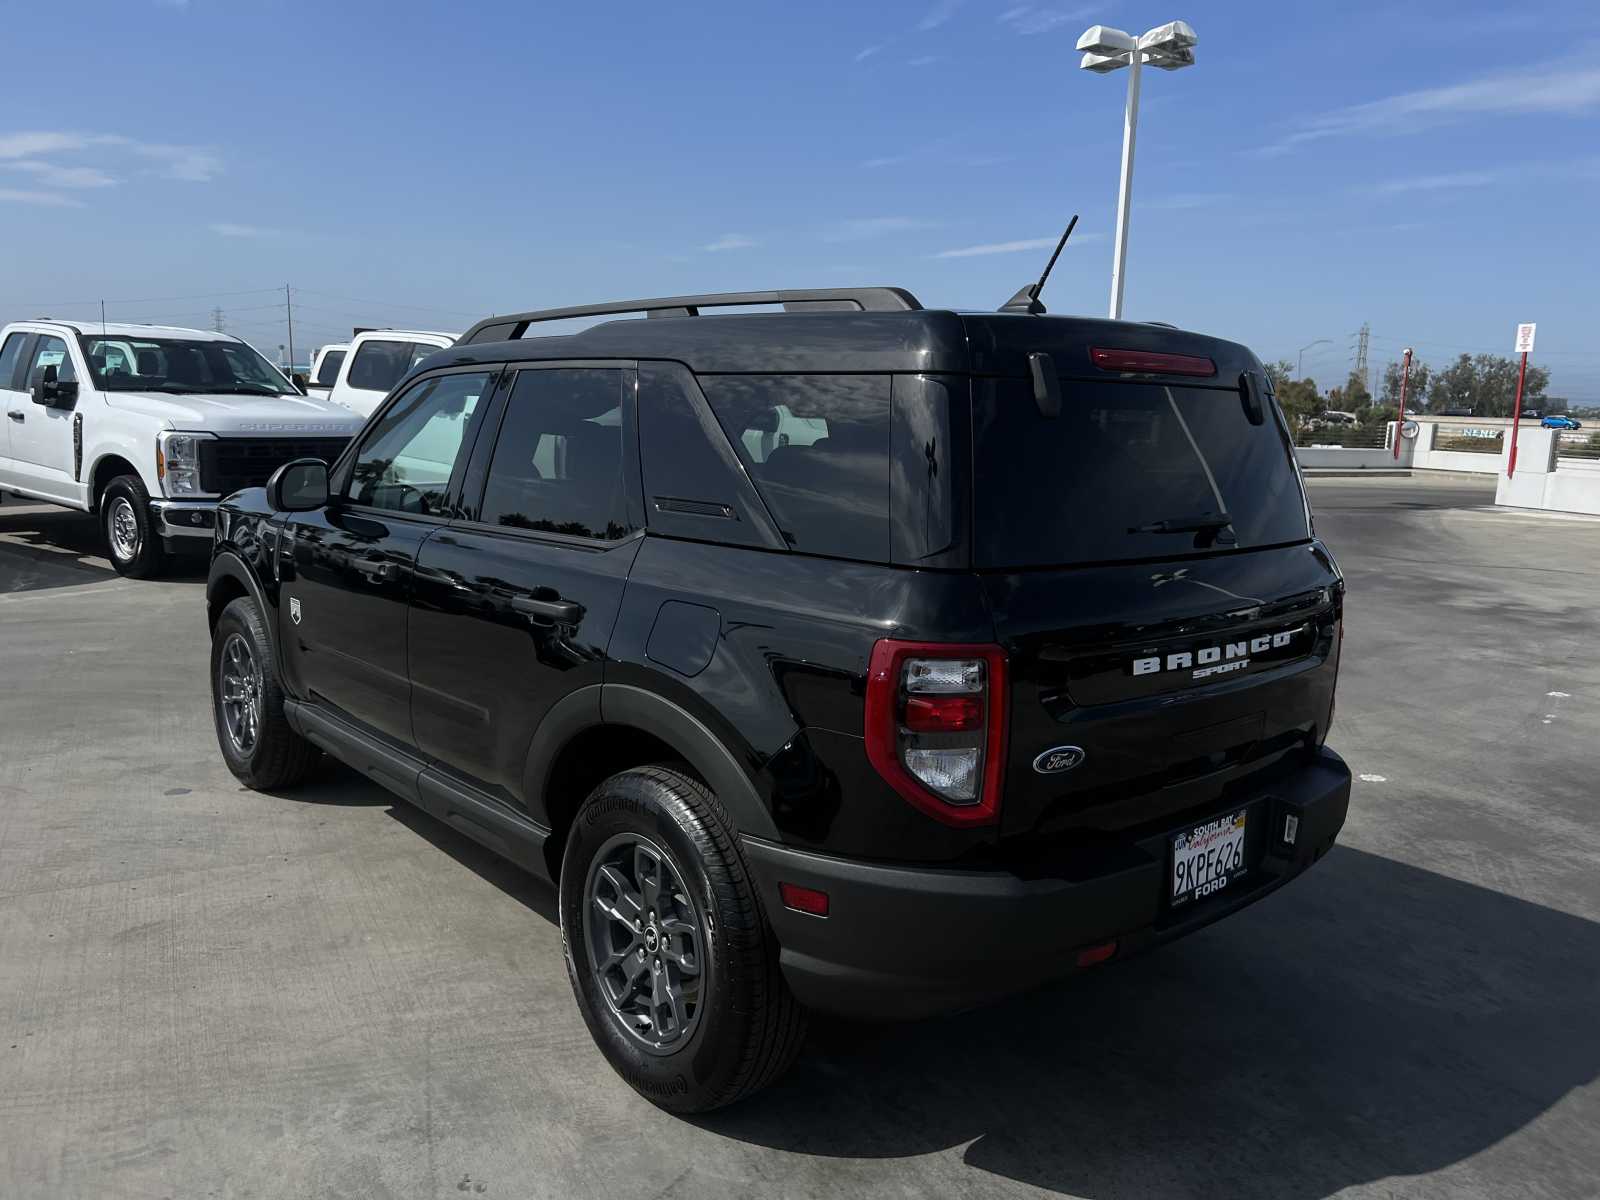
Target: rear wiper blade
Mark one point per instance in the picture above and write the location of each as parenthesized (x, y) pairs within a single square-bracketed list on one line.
[(1201, 524)]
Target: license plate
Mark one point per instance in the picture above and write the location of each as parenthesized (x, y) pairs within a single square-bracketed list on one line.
[(1207, 858)]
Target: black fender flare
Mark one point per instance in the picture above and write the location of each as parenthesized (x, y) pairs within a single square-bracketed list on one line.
[(624, 704), (228, 565)]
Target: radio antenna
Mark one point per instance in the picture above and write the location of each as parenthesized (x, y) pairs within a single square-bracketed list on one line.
[(1027, 300)]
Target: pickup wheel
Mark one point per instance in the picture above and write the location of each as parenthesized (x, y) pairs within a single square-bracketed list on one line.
[(668, 948), (132, 543), (247, 701)]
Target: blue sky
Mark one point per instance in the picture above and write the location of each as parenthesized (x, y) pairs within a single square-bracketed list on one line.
[(1430, 168)]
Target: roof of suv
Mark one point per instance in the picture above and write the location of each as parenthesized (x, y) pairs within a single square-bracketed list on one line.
[(821, 341)]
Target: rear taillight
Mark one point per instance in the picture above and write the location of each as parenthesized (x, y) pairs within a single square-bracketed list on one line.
[(936, 726), (1145, 362)]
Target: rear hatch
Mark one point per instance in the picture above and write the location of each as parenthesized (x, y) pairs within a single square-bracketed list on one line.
[(1147, 557)]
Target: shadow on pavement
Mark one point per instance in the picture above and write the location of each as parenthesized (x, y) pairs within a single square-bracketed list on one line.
[(1371, 1020), (43, 547)]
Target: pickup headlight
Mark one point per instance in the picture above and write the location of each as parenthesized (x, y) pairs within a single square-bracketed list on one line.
[(178, 462)]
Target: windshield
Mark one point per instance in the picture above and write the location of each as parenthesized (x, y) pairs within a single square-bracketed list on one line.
[(1127, 471), (141, 364)]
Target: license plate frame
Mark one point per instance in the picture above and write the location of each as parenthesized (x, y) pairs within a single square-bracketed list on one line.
[(1205, 859)]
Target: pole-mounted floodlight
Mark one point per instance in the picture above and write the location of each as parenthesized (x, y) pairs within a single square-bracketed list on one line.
[(1169, 47)]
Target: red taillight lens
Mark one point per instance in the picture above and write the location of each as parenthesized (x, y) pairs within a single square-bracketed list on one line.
[(1145, 362), (943, 714), (936, 726)]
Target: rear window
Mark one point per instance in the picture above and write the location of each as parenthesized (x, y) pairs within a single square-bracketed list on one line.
[(817, 448), (1126, 471), (328, 368), (378, 365)]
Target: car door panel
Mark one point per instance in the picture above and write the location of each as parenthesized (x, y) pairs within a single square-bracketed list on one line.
[(41, 436)]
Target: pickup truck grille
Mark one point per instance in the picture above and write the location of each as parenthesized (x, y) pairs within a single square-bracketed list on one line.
[(228, 464)]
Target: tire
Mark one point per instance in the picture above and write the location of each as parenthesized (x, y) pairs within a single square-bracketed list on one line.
[(132, 543), (259, 746), (740, 1026)]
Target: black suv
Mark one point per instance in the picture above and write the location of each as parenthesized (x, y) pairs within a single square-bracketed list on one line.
[(850, 656)]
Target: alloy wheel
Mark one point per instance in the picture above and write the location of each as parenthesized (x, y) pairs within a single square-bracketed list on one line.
[(239, 693)]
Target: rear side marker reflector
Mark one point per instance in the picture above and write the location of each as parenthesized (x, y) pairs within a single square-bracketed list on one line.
[(943, 714), (1092, 955), (804, 899), (1145, 362)]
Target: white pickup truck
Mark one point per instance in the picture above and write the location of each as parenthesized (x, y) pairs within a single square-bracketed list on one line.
[(325, 366), (149, 426), (375, 361)]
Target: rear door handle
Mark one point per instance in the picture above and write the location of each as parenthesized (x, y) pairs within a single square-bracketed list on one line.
[(564, 612), (381, 570)]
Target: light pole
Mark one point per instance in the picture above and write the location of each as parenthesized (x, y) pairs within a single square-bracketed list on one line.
[(1170, 47), (1300, 358)]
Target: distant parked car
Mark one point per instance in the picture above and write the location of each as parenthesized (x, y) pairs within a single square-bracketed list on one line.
[(376, 360), (1559, 421), (325, 369)]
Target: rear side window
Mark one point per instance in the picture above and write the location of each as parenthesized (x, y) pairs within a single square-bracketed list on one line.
[(817, 447), (1126, 471), (378, 365), (557, 464), (328, 368)]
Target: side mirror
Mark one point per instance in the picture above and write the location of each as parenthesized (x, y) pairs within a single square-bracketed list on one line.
[(298, 486), (53, 392), (300, 382)]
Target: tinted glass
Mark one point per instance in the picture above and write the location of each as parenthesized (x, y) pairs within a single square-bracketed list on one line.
[(127, 364), (817, 447), (52, 352), (557, 464), (1123, 467), (328, 368), (406, 460), (379, 365), (8, 357), (692, 482)]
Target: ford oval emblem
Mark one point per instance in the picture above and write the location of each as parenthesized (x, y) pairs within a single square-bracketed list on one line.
[(1058, 759)]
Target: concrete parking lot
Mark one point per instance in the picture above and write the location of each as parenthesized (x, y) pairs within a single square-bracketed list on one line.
[(208, 992)]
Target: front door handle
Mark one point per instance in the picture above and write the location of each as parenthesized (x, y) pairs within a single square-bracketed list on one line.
[(15, 415), (564, 612), (379, 570)]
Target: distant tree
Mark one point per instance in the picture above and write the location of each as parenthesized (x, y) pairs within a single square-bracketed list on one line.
[(1279, 373), (1487, 384), (1416, 386), (1378, 414), (1299, 400), (1352, 397)]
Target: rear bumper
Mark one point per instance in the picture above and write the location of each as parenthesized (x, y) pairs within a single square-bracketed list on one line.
[(903, 942)]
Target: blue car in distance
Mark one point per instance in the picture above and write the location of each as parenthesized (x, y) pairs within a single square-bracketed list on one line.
[(1557, 421)]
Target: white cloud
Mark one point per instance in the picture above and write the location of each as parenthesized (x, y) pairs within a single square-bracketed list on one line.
[(1043, 18), (925, 60), (53, 175), (1450, 181), (45, 199), (1563, 88), (862, 228), (1045, 243), (190, 163), (732, 241), (939, 14), (863, 55), (232, 230)]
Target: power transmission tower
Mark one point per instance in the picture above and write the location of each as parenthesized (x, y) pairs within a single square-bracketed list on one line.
[(218, 321), (1361, 356)]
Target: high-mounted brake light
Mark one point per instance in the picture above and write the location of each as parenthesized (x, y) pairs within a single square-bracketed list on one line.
[(1146, 362), (936, 726)]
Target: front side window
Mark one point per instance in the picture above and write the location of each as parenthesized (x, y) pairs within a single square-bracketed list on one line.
[(380, 364), (405, 462), (328, 368), (557, 464), (137, 364), (52, 352), (817, 447)]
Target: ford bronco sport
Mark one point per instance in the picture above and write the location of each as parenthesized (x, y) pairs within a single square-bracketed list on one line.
[(854, 657)]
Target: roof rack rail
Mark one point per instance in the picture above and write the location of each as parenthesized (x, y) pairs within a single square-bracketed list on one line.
[(866, 299)]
